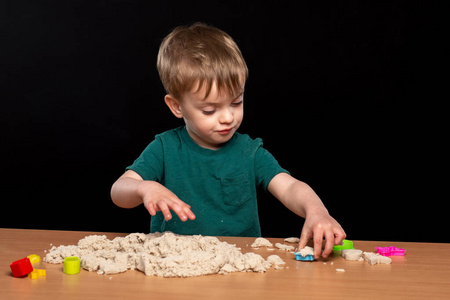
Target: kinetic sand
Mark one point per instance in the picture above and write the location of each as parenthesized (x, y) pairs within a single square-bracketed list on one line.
[(166, 255)]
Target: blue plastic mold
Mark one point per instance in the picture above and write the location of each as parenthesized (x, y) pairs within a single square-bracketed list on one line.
[(308, 257)]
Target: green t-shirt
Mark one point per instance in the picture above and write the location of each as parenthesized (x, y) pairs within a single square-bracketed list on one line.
[(220, 185)]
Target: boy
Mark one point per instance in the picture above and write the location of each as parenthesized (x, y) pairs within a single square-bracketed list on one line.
[(207, 167)]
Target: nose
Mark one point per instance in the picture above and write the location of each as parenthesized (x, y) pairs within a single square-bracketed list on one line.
[(227, 116)]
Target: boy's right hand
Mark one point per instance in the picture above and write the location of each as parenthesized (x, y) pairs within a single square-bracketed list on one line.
[(157, 197), (130, 190)]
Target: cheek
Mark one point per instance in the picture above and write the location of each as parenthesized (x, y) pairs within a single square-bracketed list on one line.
[(204, 123), (239, 114), (209, 122)]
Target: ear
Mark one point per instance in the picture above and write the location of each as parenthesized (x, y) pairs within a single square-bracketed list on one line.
[(174, 105)]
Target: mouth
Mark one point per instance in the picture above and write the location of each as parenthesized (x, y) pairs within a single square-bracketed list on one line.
[(225, 131)]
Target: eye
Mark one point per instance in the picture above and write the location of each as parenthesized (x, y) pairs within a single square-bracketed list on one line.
[(238, 100), (237, 103), (208, 112)]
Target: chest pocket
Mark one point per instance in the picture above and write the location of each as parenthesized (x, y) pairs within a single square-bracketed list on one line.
[(236, 190)]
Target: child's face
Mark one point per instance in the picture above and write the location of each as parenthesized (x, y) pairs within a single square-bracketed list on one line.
[(211, 122)]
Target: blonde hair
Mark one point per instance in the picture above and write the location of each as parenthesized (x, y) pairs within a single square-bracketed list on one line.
[(203, 55)]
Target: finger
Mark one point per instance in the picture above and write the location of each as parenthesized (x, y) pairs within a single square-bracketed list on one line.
[(329, 243), (304, 238), (165, 210), (339, 236), (151, 209), (182, 209), (186, 208), (318, 239), (190, 214), (176, 208)]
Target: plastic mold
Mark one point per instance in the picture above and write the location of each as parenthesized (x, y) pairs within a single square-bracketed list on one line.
[(346, 244), (34, 258), (21, 267), (389, 251), (71, 265), (37, 273), (33, 274), (308, 257)]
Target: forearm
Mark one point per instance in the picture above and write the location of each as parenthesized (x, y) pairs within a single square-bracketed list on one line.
[(296, 195), (125, 192), (303, 200)]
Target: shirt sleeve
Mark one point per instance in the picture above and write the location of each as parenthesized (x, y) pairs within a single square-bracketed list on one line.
[(266, 167), (149, 165)]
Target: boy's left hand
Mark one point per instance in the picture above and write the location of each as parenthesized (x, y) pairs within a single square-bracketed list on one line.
[(302, 200), (320, 226)]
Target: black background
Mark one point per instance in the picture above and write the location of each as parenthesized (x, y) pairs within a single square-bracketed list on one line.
[(346, 95)]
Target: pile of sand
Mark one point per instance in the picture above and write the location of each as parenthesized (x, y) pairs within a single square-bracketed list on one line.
[(167, 255)]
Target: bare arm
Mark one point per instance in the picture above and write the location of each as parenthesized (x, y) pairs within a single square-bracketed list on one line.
[(130, 190), (124, 192), (301, 199)]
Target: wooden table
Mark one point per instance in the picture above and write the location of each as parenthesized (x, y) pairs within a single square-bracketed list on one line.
[(424, 273)]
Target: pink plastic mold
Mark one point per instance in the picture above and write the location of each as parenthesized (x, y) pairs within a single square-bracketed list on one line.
[(389, 251)]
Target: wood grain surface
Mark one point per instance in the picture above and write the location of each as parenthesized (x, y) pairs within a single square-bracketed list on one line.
[(424, 273)]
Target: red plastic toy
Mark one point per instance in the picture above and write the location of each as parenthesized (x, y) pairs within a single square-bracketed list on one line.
[(21, 267)]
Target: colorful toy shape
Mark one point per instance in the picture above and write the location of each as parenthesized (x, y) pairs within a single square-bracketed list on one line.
[(389, 251), (21, 267), (37, 273), (34, 258), (346, 244), (308, 257), (71, 265)]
